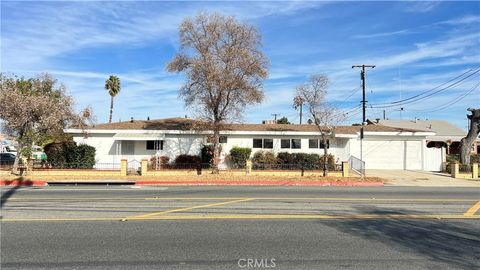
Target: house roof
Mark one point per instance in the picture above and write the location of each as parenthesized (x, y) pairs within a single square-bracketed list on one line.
[(440, 127), (190, 124)]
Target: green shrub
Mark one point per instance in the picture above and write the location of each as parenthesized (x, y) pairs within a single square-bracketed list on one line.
[(68, 155), (286, 158), (85, 156), (264, 157), (239, 155), (207, 153)]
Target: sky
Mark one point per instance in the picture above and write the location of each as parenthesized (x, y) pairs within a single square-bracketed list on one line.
[(417, 47)]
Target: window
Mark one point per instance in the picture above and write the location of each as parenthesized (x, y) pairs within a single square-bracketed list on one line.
[(263, 143), (312, 143), (316, 143), (268, 143), (257, 143), (222, 139), (155, 145), (285, 143), (296, 143)]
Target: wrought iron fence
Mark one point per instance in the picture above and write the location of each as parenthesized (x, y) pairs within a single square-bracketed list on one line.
[(39, 165), (182, 166), (465, 168), (357, 165), (296, 166)]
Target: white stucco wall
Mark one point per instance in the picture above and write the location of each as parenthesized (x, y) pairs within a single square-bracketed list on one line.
[(379, 151)]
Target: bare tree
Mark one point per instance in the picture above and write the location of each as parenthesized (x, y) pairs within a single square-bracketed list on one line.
[(473, 131), (33, 109), (224, 69), (324, 116)]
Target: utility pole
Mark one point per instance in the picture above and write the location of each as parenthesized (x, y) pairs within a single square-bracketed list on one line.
[(364, 117), (275, 115), (362, 76)]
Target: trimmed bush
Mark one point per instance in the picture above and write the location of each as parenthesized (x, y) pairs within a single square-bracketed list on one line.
[(187, 159), (286, 158), (239, 156), (85, 156), (264, 157), (68, 155)]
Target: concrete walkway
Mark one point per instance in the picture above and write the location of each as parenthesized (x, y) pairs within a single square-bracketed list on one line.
[(421, 178)]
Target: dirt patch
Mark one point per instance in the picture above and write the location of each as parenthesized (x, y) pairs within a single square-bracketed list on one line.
[(197, 178)]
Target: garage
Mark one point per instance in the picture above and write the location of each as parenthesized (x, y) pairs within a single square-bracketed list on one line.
[(392, 154)]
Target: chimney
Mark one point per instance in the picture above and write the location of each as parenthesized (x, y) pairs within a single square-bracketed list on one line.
[(148, 118), (378, 120), (131, 119)]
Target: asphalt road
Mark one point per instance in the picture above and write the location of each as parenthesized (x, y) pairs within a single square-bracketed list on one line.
[(229, 227)]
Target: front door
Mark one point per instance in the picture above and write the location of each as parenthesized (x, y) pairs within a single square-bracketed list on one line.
[(128, 150)]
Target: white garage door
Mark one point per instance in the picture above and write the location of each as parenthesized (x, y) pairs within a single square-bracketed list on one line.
[(398, 155)]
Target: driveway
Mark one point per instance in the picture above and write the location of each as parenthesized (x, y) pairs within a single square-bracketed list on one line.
[(421, 178)]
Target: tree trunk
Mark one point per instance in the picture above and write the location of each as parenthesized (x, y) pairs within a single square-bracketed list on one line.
[(17, 159), (111, 110), (467, 142), (325, 155), (216, 147)]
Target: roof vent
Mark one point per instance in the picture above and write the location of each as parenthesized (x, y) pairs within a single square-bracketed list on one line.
[(148, 118), (131, 119)]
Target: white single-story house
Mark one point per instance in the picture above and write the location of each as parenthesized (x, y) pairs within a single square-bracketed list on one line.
[(383, 147)]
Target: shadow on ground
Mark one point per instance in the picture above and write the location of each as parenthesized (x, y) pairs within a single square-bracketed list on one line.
[(11, 190), (452, 242)]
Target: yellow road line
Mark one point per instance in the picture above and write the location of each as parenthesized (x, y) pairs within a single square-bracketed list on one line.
[(250, 217), (191, 208), (470, 212), (255, 198)]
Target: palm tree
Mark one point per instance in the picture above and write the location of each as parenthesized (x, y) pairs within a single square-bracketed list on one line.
[(298, 104), (112, 84)]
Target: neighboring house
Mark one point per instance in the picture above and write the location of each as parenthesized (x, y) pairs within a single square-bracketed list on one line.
[(383, 147)]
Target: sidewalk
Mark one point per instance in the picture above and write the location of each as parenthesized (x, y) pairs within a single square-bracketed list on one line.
[(420, 178)]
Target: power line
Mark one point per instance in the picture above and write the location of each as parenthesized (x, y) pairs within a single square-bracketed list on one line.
[(452, 102), (419, 97)]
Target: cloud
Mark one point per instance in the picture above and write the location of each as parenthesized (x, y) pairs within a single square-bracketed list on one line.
[(384, 34), (421, 6)]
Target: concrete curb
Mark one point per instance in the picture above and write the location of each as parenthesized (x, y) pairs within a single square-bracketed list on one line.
[(259, 183), (18, 183)]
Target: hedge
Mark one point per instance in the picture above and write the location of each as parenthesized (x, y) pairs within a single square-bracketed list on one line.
[(187, 159), (67, 154), (239, 156)]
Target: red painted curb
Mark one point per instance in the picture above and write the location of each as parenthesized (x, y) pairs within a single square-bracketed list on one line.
[(16, 183), (258, 183)]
